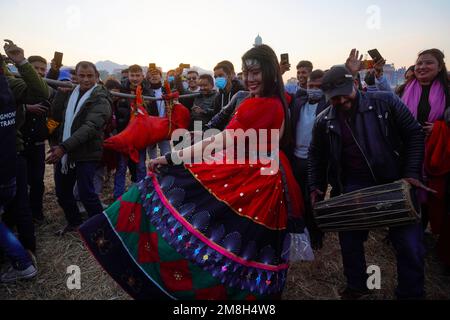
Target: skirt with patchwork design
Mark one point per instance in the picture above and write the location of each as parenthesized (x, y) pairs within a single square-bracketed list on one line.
[(199, 233)]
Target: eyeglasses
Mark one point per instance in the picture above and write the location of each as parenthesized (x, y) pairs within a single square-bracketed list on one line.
[(191, 79)]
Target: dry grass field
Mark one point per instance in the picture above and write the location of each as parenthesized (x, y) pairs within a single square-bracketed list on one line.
[(319, 280)]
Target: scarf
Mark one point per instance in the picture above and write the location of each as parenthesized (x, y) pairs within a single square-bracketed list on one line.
[(413, 92), (71, 114)]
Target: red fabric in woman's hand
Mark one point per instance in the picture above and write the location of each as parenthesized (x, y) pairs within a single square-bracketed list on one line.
[(144, 131)]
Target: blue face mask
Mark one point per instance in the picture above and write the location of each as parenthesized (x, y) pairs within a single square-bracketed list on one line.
[(171, 79), (221, 83), (315, 94)]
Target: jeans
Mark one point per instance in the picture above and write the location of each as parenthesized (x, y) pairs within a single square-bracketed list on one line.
[(410, 253), (98, 183), (83, 174), (18, 212), (164, 148), (9, 244), (121, 173), (35, 156), (13, 249)]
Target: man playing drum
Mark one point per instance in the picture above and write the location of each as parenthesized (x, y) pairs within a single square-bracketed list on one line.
[(364, 140)]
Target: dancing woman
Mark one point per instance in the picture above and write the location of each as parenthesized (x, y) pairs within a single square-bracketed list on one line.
[(210, 230)]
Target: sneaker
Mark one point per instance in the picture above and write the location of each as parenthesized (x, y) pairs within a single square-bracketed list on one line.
[(66, 230), (354, 294), (13, 275)]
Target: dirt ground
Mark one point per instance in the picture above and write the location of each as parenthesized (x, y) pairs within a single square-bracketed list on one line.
[(318, 280)]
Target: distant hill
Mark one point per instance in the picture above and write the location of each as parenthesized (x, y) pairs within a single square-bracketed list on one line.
[(202, 71), (110, 66)]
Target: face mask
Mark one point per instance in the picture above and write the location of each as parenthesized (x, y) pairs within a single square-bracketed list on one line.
[(221, 83), (185, 85), (315, 94), (171, 79)]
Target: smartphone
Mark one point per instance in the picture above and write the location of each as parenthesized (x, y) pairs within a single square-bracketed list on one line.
[(375, 55), (58, 58), (285, 58), (185, 66), (152, 66)]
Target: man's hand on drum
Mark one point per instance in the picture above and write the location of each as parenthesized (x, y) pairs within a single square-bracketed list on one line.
[(316, 196), (419, 185)]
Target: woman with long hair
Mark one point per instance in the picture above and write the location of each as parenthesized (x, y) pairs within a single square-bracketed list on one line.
[(427, 97), (215, 229)]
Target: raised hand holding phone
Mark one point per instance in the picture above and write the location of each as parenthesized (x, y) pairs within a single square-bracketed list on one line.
[(285, 66)]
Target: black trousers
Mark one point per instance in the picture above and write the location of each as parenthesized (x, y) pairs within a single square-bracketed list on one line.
[(300, 169), (35, 156)]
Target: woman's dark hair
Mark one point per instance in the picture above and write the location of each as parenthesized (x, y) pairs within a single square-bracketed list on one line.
[(412, 68), (442, 76), (273, 85)]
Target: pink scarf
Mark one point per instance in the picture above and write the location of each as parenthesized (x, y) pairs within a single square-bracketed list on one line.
[(413, 92)]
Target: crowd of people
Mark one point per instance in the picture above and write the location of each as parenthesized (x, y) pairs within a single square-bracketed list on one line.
[(199, 231)]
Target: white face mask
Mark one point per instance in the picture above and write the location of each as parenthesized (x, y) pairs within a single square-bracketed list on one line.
[(315, 94)]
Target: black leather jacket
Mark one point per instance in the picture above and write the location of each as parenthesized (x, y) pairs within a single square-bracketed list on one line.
[(391, 140)]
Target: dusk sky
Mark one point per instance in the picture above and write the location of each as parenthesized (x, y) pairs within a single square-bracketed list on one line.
[(204, 32)]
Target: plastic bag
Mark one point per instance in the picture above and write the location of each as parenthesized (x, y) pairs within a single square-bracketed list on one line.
[(301, 249)]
